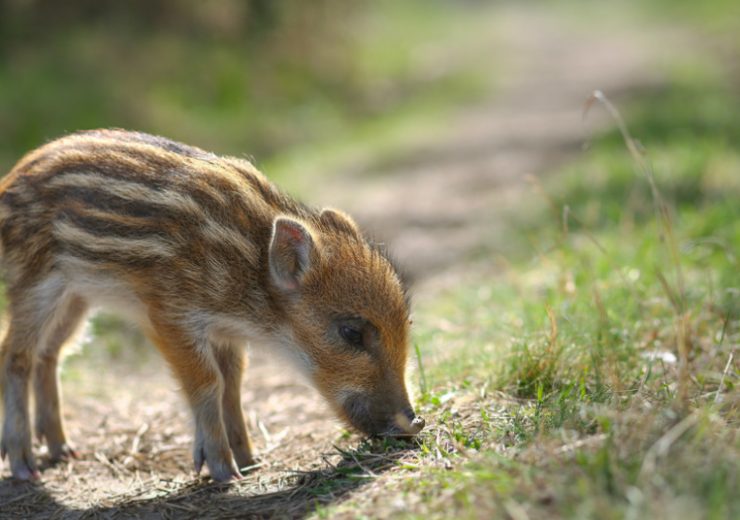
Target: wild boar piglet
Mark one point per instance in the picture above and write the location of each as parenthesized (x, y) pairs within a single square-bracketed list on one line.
[(204, 254)]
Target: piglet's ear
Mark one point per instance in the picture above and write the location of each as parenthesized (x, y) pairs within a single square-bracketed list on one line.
[(339, 220), (290, 253)]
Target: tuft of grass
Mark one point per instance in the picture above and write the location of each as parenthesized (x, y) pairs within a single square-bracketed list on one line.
[(423, 386)]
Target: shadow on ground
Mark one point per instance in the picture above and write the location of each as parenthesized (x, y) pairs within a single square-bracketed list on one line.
[(293, 495)]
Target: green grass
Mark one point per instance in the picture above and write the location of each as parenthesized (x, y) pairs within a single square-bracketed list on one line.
[(602, 341), (594, 373), (575, 341)]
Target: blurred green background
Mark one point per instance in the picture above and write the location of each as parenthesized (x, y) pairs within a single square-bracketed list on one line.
[(264, 77), (250, 77)]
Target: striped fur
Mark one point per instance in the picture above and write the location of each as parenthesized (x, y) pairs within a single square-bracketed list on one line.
[(205, 254)]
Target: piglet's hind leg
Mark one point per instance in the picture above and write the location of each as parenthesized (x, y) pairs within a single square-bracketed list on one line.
[(48, 424), (33, 312), (17, 361)]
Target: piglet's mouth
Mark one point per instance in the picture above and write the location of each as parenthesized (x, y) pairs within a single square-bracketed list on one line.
[(406, 426), (403, 424)]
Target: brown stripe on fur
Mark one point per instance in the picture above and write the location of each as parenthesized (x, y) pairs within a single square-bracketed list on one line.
[(217, 189), (106, 223), (152, 246)]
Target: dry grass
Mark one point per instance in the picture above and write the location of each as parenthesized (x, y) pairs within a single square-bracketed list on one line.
[(135, 454), (135, 457)]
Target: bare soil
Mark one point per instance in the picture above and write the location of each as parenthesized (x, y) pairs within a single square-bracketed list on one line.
[(434, 205)]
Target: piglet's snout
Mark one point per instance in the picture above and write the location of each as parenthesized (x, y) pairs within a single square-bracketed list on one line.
[(407, 423)]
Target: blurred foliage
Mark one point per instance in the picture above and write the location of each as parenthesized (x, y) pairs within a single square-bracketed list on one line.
[(719, 16), (202, 70), (253, 76)]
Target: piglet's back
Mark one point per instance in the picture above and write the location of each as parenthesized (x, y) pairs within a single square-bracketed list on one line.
[(163, 215)]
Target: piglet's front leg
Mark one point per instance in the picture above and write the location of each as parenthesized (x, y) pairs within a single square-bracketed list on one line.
[(211, 443), (204, 387), (230, 359)]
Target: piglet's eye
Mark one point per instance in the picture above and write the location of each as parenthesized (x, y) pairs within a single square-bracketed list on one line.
[(351, 335)]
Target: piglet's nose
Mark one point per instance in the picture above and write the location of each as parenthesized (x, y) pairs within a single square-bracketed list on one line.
[(417, 425)]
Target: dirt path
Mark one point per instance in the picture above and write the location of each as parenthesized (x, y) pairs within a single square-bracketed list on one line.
[(434, 204)]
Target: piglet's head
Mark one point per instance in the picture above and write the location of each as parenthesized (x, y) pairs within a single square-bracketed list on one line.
[(348, 319)]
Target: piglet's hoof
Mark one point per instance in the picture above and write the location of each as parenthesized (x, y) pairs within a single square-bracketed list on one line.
[(223, 470), (22, 464), (62, 453)]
